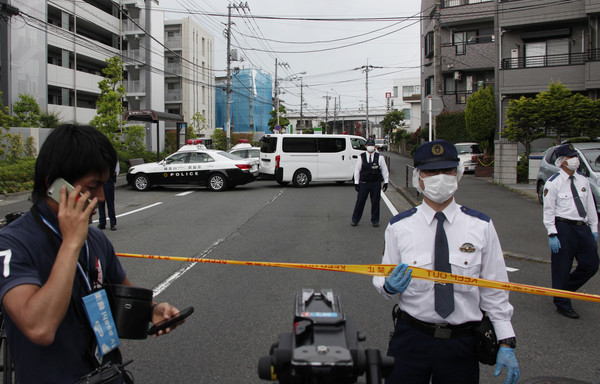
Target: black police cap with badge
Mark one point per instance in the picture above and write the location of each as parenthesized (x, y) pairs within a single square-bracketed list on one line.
[(370, 142), (436, 154), (566, 150)]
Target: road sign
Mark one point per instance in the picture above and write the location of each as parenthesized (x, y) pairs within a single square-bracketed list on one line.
[(437, 104), (277, 127), (388, 95)]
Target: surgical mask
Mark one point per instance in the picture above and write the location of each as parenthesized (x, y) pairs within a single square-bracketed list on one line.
[(573, 163), (439, 188), (370, 148)]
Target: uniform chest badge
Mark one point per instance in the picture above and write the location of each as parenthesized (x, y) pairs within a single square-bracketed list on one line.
[(467, 247)]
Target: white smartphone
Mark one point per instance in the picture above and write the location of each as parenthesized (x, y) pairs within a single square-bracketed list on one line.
[(54, 190)]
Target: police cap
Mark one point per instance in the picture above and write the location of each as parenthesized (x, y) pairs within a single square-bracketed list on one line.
[(437, 154), (566, 150), (370, 142)]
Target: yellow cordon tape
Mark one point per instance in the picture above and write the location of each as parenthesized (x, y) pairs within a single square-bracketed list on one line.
[(385, 270)]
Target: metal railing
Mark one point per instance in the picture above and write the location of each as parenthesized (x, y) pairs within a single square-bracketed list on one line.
[(550, 60)]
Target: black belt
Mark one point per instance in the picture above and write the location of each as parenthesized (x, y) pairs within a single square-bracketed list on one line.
[(439, 331), (574, 222)]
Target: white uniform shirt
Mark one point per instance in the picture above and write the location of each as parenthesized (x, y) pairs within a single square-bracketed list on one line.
[(474, 251), (558, 200), (382, 165)]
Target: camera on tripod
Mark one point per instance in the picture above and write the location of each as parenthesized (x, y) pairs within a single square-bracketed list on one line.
[(322, 347)]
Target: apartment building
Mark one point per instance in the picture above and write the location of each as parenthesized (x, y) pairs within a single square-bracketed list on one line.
[(518, 46), (189, 72), (406, 97), (57, 50)]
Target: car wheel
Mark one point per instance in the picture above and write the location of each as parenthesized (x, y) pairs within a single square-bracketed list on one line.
[(540, 191), (301, 178), (217, 182), (141, 182)]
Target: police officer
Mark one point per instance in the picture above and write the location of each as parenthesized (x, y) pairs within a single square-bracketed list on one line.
[(572, 224), (370, 170), (433, 339)]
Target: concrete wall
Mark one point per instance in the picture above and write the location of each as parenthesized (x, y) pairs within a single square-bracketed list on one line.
[(506, 158)]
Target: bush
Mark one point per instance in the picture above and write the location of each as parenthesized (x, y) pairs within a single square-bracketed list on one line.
[(523, 169), (451, 127), (17, 176)]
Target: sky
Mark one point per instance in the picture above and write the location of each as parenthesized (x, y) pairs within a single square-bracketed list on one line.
[(331, 40)]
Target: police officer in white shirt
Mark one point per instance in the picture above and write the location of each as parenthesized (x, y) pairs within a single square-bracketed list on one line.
[(572, 224), (433, 339), (370, 170)]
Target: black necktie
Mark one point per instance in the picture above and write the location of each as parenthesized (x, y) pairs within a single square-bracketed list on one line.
[(370, 159), (576, 198), (444, 293)]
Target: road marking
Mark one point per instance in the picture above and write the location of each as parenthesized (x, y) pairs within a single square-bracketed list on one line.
[(389, 205), (135, 210), (184, 193), (509, 269)]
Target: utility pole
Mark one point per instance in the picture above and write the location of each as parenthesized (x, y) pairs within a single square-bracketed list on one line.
[(327, 97), (367, 68), (228, 90), (6, 11), (438, 78), (277, 64), (301, 105)]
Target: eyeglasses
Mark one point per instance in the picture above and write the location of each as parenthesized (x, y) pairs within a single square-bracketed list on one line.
[(433, 172)]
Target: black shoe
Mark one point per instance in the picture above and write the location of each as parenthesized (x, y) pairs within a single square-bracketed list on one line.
[(353, 224), (102, 226), (376, 224), (113, 227), (570, 313)]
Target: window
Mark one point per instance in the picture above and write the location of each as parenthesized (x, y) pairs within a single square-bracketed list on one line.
[(331, 145), (178, 158), (410, 90), (547, 53), (268, 144), (449, 85), (200, 158), (406, 112), (428, 45), (358, 143), (395, 94), (301, 145), (428, 85)]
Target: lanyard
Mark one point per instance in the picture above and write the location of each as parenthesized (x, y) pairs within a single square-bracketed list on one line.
[(87, 251)]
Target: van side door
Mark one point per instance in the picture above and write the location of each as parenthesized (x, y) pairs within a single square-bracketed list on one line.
[(334, 161)]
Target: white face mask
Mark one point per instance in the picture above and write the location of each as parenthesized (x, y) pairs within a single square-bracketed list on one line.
[(370, 148), (572, 163), (439, 188)]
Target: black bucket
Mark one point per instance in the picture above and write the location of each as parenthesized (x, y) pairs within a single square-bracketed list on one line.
[(130, 307)]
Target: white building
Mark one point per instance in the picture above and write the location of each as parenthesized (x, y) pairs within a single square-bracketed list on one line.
[(189, 72), (406, 97), (56, 50)]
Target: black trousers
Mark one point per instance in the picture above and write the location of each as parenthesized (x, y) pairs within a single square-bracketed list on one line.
[(423, 359), (576, 243), (109, 202), (366, 189)]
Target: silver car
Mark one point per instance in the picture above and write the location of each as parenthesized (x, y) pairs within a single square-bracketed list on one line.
[(589, 157)]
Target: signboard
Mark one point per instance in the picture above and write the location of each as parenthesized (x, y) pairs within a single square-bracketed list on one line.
[(277, 127), (435, 103), (388, 95)]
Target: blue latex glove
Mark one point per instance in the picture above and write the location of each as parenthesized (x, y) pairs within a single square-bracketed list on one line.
[(506, 358), (399, 279), (554, 244), (595, 234)]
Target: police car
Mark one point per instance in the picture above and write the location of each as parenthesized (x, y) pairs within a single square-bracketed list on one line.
[(194, 164)]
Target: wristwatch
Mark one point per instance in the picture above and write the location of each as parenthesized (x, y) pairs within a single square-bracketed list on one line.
[(511, 342), (553, 235)]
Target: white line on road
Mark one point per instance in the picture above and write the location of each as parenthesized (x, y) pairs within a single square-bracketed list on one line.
[(136, 210), (389, 205), (184, 193), (510, 269)]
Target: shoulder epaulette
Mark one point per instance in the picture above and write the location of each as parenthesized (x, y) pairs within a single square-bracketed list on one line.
[(553, 177), (403, 215), (474, 213)]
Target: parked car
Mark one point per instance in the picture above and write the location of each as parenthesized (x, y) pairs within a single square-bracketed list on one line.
[(381, 144), (193, 164), (589, 157), (466, 152), (245, 151)]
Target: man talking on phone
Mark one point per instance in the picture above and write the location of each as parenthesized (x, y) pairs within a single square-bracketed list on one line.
[(51, 259)]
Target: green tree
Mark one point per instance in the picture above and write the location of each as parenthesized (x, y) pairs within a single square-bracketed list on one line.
[(522, 123), (49, 119), (108, 119), (27, 112), (553, 112), (197, 125), (480, 117), (451, 127), (219, 139), (391, 121), (585, 114), (283, 120)]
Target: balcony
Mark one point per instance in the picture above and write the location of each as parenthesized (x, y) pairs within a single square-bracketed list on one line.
[(173, 42), (172, 95), (135, 87), (456, 3), (173, 69), (550, 60)]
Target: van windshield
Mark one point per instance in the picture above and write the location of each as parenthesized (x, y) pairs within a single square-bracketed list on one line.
[(268, 144)]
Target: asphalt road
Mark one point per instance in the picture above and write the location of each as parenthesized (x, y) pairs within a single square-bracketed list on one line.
[(240, 310)]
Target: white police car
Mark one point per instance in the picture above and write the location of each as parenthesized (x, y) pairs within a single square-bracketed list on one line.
[(194, 164), (245, 151)]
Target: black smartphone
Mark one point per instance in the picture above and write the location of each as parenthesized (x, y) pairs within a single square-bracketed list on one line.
[(164, 324), (54, 190)]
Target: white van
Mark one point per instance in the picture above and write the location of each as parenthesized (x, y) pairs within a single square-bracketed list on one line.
[(305, 158)]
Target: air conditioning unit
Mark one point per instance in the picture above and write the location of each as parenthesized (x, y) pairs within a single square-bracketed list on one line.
[(457, 75)]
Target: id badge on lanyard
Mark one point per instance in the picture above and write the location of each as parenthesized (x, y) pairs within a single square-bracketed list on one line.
[(101, 320)]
